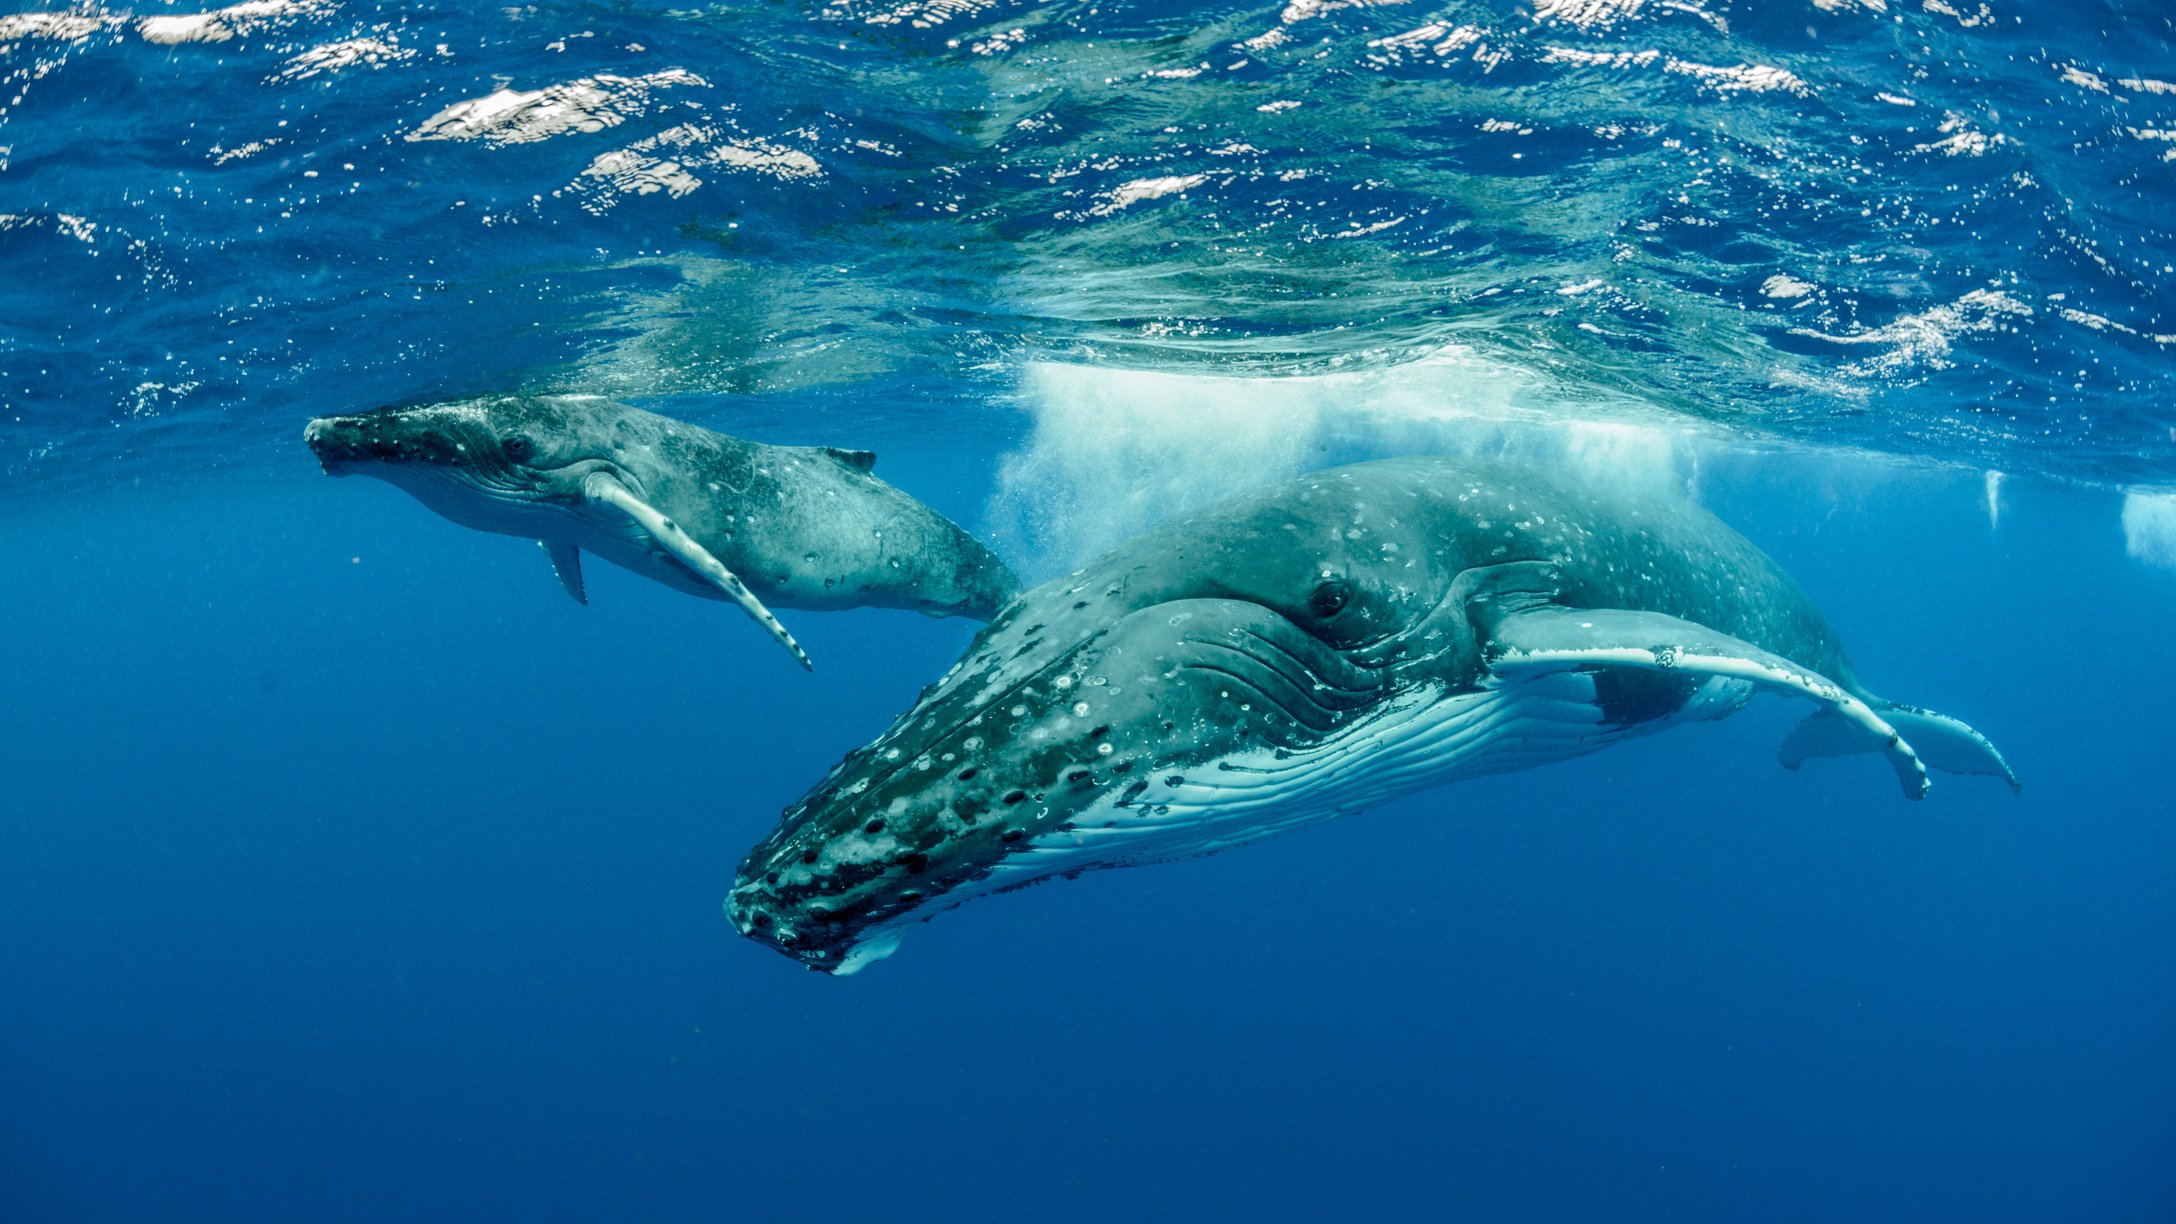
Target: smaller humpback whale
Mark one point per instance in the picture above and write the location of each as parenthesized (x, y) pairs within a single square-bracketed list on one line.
[(700, 511), (1302, 652)]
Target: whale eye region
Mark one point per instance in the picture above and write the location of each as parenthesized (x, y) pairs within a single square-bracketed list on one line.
[(1330, 598)]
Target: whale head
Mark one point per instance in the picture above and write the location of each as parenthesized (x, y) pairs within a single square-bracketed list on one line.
[(1186, 692), (510, 464)]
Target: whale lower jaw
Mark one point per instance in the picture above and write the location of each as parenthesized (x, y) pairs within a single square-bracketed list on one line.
[(1423, 739)]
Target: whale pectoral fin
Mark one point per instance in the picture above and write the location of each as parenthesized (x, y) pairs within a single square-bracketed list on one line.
[(602, 488), (1548, 638), (567, 564), (1946, 743), (859, 460)]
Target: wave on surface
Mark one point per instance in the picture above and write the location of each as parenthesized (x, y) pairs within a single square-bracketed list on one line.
[(1915, 229)]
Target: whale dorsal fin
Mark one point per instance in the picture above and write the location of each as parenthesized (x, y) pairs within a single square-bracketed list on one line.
[(1521, 633), (859, 460), (600, 487), (567, 564)]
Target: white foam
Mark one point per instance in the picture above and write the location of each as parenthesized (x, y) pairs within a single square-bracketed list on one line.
[(221, 25), (1978, 17), (928, 14), (1785, 286), (631, 173), (2074, 75), (1307, 10), (587, 104), (1587, 14), (82, 229), (1599, 59), (58, 27), (1960, 139), (1740, 78), (1436, 38), (1113, 451), (2162, 134), (1721, 78), (1924, 338), (1126, 195), (2149, 526), (332, 57), (668, 162)]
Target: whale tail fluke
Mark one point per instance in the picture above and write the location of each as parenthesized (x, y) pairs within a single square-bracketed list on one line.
[(1945, 743)]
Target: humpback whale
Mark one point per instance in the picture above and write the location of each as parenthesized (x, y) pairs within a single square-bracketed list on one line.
[(700, 511), (1302, 652)]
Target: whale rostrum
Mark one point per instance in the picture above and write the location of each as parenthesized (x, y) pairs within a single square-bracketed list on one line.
[(1301, 652), (701, 511)]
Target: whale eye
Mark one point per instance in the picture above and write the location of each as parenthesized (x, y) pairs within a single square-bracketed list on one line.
[(517, 446), (1330, 598)]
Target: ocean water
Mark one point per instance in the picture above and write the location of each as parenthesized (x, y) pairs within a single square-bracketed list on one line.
[(349, 871)]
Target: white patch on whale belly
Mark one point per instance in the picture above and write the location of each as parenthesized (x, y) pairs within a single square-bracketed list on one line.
[(1420, 741)]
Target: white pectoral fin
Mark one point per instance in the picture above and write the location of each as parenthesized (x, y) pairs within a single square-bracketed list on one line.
[(602, 488), (1946, 743), (567, 564), (1547, 638)]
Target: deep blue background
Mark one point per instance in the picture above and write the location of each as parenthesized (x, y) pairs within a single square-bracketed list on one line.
[(389, 888), (349, 871)]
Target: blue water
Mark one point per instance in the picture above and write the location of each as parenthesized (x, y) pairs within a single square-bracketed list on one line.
[(349, 871)]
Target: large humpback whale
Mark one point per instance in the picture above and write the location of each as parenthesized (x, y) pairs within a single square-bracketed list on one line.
[(700, 511), (1302, 652)]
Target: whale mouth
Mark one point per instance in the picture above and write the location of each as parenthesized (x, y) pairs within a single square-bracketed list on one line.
[(321, 437)]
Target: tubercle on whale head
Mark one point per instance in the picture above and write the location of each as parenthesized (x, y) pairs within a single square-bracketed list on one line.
[(386, 435), (454, 432), (1072, 718), (476, 460), (888, 837), (897, 826)]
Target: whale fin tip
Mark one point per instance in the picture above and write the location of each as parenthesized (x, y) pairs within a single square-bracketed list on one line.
[(567, 566), (684, 548), (1945, 743), (1557, 638)]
